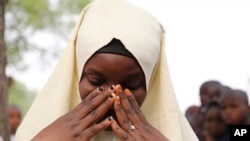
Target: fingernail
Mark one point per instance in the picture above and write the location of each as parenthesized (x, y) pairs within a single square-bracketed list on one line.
[(111, 87), (117, 98), (110, 118), (100, 88), (112, 95), (119, 88), (127, 92)]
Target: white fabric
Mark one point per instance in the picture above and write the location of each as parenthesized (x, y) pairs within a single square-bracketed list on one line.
[(144, 37)]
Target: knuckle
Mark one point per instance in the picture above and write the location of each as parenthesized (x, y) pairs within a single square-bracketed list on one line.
[(137, 110), (82, 137), (123, 96), (125, 136), (119, 107), (125, 121), (107, 103), (94, 113), (131, 111), (132, 99), (71, 119), (102, 125), (88, 104), (104, 94), (117, 128), (91, 106), (85, 102), (92, 130)]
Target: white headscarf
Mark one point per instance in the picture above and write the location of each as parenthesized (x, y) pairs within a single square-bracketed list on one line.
[(144, 37)]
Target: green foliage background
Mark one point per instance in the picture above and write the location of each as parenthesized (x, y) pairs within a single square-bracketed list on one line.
[(21, 96), (24, 18)]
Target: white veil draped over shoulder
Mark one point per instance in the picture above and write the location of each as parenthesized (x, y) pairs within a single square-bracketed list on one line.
[(144, 37)]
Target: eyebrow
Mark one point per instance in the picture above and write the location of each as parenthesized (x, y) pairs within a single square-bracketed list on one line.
[(135, 75), (93, 71)]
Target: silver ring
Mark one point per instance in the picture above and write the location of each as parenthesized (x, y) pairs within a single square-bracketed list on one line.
[(131, 128)]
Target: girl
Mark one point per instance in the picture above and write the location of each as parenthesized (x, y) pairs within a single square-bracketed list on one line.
[(114, 64)]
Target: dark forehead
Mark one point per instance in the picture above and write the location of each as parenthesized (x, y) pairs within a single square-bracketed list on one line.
[(101, 59), (211, 86), (105, 64), (210, 83), (237, 95)]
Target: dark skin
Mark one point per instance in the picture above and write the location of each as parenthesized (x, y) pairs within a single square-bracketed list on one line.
[(211, 92), (235, 110), (194, 118), (14, 118), (214, 124), (106, 104)]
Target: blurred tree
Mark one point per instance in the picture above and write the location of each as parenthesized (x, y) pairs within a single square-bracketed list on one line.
[(20, 95), (4, 126), (23, 19)]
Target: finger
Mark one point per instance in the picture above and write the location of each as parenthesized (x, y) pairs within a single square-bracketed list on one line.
[(97, 113), (135, 105), (121, 134), (121, 115), (93, 101), (128, 109), (95, 129), (93, 94)]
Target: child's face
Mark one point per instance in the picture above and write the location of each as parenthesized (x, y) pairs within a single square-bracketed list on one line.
[(234, 111), (213, 123), (105, 70), (209, 93)]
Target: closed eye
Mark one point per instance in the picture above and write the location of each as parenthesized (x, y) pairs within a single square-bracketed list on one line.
[(94, 79), (134, 81), (132, 86), (95, 82)]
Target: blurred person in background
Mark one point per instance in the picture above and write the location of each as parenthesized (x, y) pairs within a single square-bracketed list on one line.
[(194, 118), (15, 118), (235, 107), (210, 91), (215, 128)]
